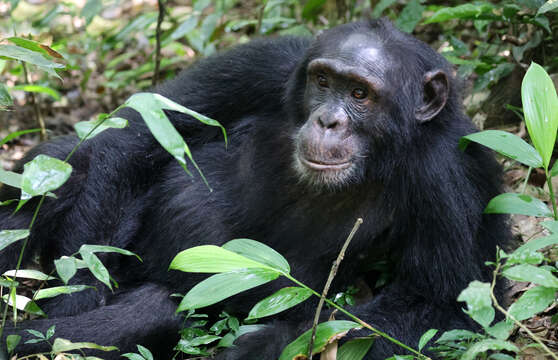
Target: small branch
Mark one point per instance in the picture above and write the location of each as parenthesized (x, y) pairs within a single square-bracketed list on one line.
[(330, 278), (516, 322), (161, 6), (36, 104)]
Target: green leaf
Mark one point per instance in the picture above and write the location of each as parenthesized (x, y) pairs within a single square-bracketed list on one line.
[(506, 144), (39, 89), (488, 344), (63, 345), (410, 16), (540, 105), (29, 274), (259, 252), (212, 259), (90, 9), (532, 274), (511, 203), (5, 97), (11, 342), (532, 302), (58, 290), (354, 349), (224, 285), (96, 267), (90, 129), (10, 178), (282, 300), (31, 57), (43, 174), (66, 268), (548, 6), (8, 237), (145, 352), (228, 340), (466, 11), (106, 249), (479, 302), (325, 332), (17, 134), (426, 337), (501, 330)]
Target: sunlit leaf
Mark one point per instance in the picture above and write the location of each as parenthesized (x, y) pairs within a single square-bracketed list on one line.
[(532, 302), (540, 106), (8, 237), (259, 252), (325, 333), (93, 128), (511, 203), (479, 302), (507, 144), (532, 274), (63, 345), (224, 285), (282, 300)]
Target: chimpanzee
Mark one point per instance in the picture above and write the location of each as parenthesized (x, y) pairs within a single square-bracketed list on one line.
[(362, 121)]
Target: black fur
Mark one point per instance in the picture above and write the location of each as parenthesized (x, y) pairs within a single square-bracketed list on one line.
[(420, 197)]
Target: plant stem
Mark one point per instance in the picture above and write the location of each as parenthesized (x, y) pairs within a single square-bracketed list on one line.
[(330, 278), (516, 322), (551, 190)]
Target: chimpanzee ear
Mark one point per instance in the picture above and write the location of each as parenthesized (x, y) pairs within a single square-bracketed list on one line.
[(436, 89)]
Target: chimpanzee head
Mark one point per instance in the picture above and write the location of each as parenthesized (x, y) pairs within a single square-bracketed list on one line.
[(364, 91)]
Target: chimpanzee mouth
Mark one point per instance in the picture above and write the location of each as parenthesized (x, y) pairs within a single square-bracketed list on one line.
[(325, 165)]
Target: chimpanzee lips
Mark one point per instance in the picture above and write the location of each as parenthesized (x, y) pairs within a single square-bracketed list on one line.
[(325, 165)]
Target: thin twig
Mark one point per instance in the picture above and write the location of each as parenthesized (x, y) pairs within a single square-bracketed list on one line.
[(516, 322), (330, 278), (36, 104), (158, 41)]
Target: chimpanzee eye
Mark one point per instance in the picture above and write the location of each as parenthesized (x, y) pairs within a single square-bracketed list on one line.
[(359, 93), (322, 81)]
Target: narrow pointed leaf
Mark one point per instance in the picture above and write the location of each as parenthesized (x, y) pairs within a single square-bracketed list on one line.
[(43, 174), (59, 290), (355, 349), (93, 128), (325, 333), (507, 144), (511, 203), (532, 302), (282, 300), (259, 252), (532, 274), (212, 259), (8, 237), (222, 286), (540, 105)]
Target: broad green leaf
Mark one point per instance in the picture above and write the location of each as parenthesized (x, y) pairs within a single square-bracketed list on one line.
[(507, 144), (10, 178), (93, 128), (145, 352), (224, 285), (212, 259), (488, 344), (106, 249), (63, 345), (35, 46), (540, 105), (25, 304), (8, 237), (59, 290), (501, 330), (228, 340), (5, 97), (11, 342), (466, 11), (426, 337), (511, 203), (17, 134), (354, 349), (548, 6), (43, 174), (532, 274), (282, 300), (325, 332), (532, 302), (96, 267), (39, 89), (29, 274), (66, 268), (410, 16), (259, 252), (537, 244), (22, 54), (479, 302)]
